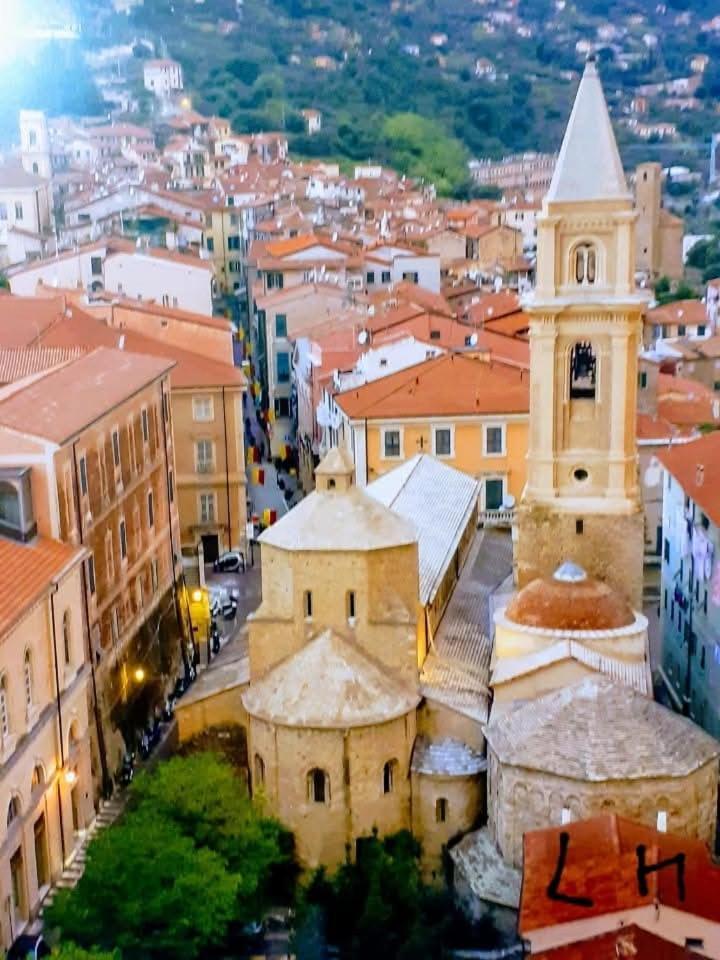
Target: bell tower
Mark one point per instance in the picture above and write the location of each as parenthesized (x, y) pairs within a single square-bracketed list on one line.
[(582, 498)]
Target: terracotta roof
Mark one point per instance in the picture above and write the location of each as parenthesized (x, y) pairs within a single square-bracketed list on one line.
[(575, 602), (583, 732), (601, 864), (493, 305), (66, 400), (329, 683), (28, 570), (512, 349), (21, 362), (628, 943), (696, 467), (22, 319), (688, 312), (449, 385), (687, 402)]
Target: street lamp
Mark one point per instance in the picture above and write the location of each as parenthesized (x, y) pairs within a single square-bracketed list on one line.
[(70, 777), (139, 674), (197, 596)]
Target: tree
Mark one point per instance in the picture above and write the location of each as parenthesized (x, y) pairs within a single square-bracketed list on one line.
[(71, 951)]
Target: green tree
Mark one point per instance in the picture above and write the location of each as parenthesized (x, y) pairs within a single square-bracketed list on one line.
[(71, 951), (148, 891)]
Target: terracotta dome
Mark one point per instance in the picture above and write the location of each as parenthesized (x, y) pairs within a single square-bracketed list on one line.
[(570, 600)]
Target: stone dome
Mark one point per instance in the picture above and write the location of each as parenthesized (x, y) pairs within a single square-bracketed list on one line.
[(570, 600)]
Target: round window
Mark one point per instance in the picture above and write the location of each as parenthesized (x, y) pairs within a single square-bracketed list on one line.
[(580, 474)]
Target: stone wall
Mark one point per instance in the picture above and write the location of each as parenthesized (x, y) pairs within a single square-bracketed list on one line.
[(464, 809), (520, 800), (609, 548)]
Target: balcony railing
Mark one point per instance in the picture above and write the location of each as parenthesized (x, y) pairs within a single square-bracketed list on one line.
[(497, 518)]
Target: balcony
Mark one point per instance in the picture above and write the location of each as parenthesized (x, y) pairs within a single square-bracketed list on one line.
[(205, 466), (497, 518)]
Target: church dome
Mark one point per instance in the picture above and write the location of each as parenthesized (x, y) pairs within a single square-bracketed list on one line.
[(569, 600)]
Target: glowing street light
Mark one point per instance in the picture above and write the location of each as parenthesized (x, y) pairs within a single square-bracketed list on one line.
[(197, 596), (139, 674), (70, 777)]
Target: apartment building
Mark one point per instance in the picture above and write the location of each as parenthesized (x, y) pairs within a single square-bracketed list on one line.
[(46, 790), (96, 436)]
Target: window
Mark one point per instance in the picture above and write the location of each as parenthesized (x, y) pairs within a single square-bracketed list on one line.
[(28, 679), (283, 367), (411, 276), (350, 604), (67, 638), (318, 785), (145, 425), (434, 334), (204, 456), (203, 408), (579, 527), (494, 439), (151, 509), (585, 264), (38, 777), (115, 625), (370, 277), (116, 447), (642, 379), (701, 330), (274, 280), (13, 810), (385, 276), (91, 574), (494, 493), (154, 575), (702, 657), (166, 407), (391, 443), (582, 372), (442, 441), (210, 244), (307, 604), (681, 329), (441, 809), (259, 770), (282, 406), (96, 266), (389, 776), (666, 550), (123, 541), (4, 714), (18, 210), (82, 469), (207, 508), (280, 325), (32, 138), (233, 243), (171, 486)]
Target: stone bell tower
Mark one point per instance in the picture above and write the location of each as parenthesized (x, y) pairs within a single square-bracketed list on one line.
[(582, 498)]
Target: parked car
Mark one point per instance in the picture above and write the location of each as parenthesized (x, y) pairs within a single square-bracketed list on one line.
[(231, 562), (30, 946)]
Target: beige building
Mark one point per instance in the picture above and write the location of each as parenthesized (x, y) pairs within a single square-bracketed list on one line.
[(658, 233), (560, 629), (45, 780), (598, 747), (582, 499)]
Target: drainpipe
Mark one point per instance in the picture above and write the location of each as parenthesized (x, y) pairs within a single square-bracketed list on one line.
[(227, 471), (106, 781), (60, 725)]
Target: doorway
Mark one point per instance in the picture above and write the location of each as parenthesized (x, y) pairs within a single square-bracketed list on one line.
[(18, 904), (41, 852), (211, 547), (75, 807)]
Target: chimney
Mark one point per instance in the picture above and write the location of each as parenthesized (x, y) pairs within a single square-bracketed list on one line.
[(699, 475)]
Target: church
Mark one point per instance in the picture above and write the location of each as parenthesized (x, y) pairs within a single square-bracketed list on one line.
[(358, 718)]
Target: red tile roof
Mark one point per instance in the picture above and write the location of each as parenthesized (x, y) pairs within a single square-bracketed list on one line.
[(627, 943), (689, 312), (65, 401), (684, 461), (27, 571), (449, 385), (602, 865)]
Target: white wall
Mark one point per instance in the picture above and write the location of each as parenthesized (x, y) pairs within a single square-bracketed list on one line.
[(167, 282), (67, 271)]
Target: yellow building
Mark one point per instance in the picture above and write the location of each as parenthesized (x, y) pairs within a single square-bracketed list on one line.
[(45, 779), (659, 233), (469, 412), (582, 499)]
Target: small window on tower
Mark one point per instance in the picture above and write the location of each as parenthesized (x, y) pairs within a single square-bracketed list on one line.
[(585, 264), (582, 372)]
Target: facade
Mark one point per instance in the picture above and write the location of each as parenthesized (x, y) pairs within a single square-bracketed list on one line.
[(690, 579), (582, 499), (658, 234), (35, 144), (162, 77), (25, 212), (103, 477), (170, 279), (46, 788), (565, 757), (467, 411)]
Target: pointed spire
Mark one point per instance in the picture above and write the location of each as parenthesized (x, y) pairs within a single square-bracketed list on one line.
[(589, 166)]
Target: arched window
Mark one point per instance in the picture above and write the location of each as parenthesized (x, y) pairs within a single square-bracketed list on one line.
[(28, 678), (38, 777), (259, 770), (582, 371), (67, 637), (4, 711), (441, 809), (585, 263), (318, 786), (389, 771), (13, 810)]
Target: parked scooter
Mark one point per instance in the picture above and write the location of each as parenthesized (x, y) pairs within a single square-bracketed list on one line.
[(127, 770)]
